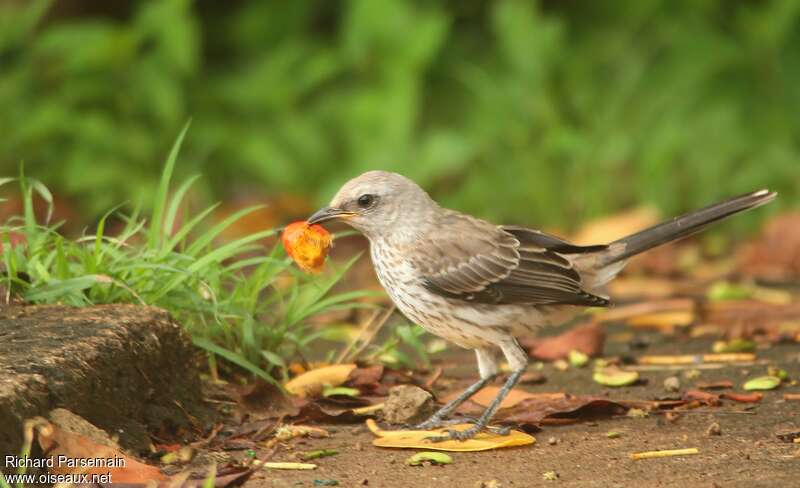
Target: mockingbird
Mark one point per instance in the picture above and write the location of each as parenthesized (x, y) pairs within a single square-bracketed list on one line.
[(480, 285)]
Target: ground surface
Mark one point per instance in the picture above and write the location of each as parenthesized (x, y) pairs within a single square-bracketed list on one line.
[(746, 454)]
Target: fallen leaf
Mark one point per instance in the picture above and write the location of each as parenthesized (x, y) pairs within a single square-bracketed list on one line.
[(488, 393), (577, 359), (340, 390), (725, 290), (777, 372), (743, 397), (368, 378), (57, 442), (615, 377), (313, 383), (556, 408), (307, 245), (762, 383), (734, 345), (431, 457), (587, 339), (419, 439), (702, 396)]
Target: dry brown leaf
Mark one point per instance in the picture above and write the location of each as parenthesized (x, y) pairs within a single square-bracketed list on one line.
[(57, 442), (588, 339), (485, 396)]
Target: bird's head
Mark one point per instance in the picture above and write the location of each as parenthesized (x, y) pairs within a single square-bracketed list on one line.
[(378, 203)]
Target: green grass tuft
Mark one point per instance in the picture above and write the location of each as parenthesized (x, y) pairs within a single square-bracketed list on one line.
[(239, 301)]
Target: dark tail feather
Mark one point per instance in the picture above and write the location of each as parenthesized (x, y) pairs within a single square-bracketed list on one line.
[(686, 225)]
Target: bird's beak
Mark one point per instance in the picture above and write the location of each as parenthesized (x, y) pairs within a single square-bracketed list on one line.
[(327, 213)]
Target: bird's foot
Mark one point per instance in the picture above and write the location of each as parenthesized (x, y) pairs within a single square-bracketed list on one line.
[(463, 435), (437, 422)]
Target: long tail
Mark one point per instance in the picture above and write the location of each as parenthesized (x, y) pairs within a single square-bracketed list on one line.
[(684, 226)]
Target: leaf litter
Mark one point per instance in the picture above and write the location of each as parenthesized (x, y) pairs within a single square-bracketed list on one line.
[(743, 326)]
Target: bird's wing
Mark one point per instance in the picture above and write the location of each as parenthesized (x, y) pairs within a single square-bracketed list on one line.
[(474, 261)]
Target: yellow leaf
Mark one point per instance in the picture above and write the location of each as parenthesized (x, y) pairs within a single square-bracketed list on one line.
[(417, 439), (311, 383)]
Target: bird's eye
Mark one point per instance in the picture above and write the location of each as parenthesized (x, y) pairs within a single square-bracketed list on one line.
[(366, 200)]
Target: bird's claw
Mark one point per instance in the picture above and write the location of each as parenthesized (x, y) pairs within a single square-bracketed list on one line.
[(463, 435), (454, 435)]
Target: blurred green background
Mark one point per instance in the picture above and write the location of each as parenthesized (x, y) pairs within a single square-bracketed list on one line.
[(537, 112)]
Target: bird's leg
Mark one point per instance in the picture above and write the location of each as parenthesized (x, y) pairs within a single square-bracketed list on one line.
[(518, 361), (438, 419), (487, 366)]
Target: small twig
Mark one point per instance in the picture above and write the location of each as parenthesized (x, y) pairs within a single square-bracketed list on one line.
[(733, 357), (705, 411), (434, 377), (204, 442), (682, 367), (666, 453), (221, 402)]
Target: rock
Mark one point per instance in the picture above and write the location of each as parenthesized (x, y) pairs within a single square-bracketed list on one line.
[(407, 404), (67, 420), (126, 369), (672, 384)]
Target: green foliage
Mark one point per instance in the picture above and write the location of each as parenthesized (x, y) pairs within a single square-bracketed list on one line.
[(521, 111), (238, 301)]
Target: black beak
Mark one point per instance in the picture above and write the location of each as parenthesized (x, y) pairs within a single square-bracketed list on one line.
[(325, 214)]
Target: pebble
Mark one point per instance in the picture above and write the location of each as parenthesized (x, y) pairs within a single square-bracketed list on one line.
[(552, 441), (672, 384), (713, 429)]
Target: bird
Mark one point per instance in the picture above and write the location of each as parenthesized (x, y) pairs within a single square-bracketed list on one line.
[(482, 286)]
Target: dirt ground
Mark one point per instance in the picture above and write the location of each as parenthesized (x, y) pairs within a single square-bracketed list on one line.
[(747, 453)]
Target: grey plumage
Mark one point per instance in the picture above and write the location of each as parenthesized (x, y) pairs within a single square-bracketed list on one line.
[(478, 284)]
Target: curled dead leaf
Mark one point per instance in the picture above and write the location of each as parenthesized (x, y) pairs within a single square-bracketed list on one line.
[(63, 444), (313, 383)]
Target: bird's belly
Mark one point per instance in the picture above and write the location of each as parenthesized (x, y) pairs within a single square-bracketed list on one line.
[(464, 324)]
